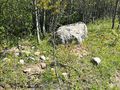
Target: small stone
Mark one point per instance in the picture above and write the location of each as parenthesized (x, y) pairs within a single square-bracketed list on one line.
[(65, 75), (7, 87), (96, 60), (1, 88), (27, 70), (81, 56), (33, 47), (14, 49), (31, 58), (33, 69), (21, 61), (37, 53), (17, 54), (43, 65), (42, 58)]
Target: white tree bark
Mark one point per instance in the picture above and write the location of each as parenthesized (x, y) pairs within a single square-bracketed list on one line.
[(37, 22), (44, 21)]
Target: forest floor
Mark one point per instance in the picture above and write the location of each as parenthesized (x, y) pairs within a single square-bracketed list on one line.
[(73, 70)]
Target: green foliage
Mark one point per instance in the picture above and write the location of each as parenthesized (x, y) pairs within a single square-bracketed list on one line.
[(15, 17), (54, 6)]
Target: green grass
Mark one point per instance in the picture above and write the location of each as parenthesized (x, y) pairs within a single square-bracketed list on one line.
[(102, 42)]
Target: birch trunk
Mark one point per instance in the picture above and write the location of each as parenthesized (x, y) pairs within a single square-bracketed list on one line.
[(119, 17), (44, 22), (37, 22)]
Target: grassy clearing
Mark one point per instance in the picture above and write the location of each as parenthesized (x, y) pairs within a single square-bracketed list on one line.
[(83, 75)]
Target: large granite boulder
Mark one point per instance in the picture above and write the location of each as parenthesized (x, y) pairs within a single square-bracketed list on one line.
[(69, 32)]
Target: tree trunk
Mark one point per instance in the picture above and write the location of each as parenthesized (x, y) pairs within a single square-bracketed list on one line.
[(114, 14), (119, 22), (84, 10), (37, 22), (33, 17), (44, 23), (119, 17)]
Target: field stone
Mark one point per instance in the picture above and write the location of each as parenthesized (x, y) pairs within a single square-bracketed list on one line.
[(67, 33), (21, 61), (31, 58), (37, 53), (96, 60), (34, 69), (13, 49), (33, 47), (43, 65), (17, 54), (65, 75), (7, 87), (1, 88), (42, 57)]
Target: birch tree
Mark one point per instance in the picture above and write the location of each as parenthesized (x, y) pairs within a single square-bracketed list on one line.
[(37, 22)]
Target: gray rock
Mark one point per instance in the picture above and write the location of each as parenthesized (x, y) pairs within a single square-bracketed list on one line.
[(72, 31), (34, 69), (96, 60), (33, 47), (1, 88), (43, 65), (17, 54), (42, 57), (65, 75), (37, 53), (7, 87), (22, 61), (31, 58)]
